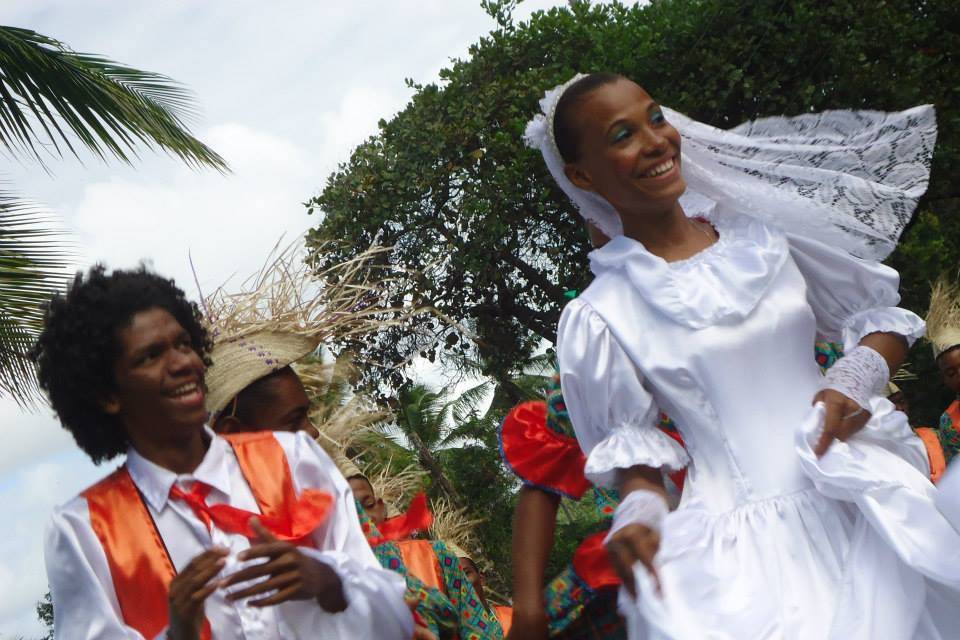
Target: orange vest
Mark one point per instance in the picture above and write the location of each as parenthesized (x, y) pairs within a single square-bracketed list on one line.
[(422, 562), (504, 617), (931, 441), (140, 565)]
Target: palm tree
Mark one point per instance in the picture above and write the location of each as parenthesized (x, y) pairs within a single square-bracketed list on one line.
[(422, 418), (427, 424), (54, 100)]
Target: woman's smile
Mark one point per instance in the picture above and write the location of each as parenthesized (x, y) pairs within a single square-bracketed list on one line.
[(662, 170)]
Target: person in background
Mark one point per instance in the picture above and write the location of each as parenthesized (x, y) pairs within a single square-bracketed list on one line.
[(253, 388), (503, 612), (431, 562), (928, 435), (943, 332), (196, 535)]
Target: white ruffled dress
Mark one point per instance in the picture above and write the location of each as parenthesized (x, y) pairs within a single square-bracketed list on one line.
[(768, 541)]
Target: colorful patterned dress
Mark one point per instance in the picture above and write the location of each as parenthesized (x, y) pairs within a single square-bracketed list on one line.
[(950, 430), (538, 445), (447, 602)]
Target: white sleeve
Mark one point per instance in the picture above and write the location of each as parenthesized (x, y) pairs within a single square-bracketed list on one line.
[(613, 416), (850, 297), (81, 587), (374, 595)]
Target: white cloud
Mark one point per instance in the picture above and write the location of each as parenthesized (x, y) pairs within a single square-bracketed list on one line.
[(227, 223), (28, 496)]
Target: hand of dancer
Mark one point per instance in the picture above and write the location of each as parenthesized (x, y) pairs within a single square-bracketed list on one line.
[(632, 543), (529, 623), (288, 572), (189, 590), (844, 418)]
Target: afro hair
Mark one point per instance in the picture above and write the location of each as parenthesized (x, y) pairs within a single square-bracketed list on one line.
[(79, 345)]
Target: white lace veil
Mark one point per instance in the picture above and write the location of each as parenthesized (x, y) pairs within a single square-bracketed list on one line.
[(849, 179)]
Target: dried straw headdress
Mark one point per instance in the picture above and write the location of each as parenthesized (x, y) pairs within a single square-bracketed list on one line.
[(456, 529), (347, 423), (943, 318), (284, 312)]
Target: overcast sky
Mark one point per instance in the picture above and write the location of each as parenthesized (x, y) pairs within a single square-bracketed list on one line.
[(286, 89)]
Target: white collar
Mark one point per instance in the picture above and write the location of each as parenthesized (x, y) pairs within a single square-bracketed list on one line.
[(154, 481), (721, 284)]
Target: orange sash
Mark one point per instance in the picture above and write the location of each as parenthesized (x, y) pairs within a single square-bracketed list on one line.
[(931, 441), (421, 561), (140, 565), (504, 617)]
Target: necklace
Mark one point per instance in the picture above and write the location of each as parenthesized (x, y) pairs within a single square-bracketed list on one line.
[(701, 229)]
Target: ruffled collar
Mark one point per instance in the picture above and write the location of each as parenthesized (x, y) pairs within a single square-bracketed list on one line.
[(719, 285)]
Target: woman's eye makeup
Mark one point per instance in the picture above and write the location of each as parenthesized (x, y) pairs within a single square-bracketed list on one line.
[(620, 134)]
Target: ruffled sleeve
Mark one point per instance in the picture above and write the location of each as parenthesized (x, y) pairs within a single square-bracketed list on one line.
[(613, 415), (538, 455), (852, 297)]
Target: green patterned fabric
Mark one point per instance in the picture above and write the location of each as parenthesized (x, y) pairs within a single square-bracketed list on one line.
[(434, 608), (606, 501), (574, 610), (827, 353), (476, 622), (949, 431), (558, 420)]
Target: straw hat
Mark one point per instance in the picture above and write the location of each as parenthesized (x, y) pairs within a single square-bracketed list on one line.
[(285, 311), (239, 362), (943, 318), (456, 550)]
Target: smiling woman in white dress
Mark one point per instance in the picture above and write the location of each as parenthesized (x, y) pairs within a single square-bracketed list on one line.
[(807, 511)]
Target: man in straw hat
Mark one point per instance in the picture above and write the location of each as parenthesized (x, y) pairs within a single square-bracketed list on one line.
[(943, 332), (259, 332), (196, 535)]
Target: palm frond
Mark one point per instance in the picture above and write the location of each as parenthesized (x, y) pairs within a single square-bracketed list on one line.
[(51, 97), (34, 261), (467, 403)]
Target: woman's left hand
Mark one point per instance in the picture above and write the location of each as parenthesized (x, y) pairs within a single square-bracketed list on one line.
[(844, 418)]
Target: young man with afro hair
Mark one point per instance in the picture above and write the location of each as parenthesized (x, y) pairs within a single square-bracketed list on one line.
[(196, 535)]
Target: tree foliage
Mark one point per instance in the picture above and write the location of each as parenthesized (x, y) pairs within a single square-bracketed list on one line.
[(449, 183), (491, 242)]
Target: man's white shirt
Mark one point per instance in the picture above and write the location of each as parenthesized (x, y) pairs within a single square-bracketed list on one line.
[(86, 606)]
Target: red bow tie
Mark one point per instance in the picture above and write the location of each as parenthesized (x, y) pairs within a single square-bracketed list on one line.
[(299, 520)]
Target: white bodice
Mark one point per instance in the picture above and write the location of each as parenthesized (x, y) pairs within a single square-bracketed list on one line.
[(724, 344), (769, 541)]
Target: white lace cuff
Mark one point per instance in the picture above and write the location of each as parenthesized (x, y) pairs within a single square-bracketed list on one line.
[(629, 446), (641, 506), (860, 375), (882, 319)]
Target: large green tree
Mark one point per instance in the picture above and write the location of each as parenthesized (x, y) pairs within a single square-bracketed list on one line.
[(448, 182), (54, 101)]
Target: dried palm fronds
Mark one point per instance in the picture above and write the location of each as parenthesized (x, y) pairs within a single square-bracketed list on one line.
[(285, 311), (943, 317), (455, 528), (285, 296)]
